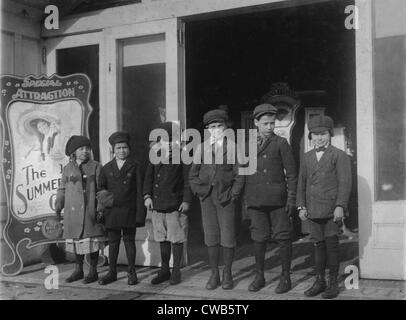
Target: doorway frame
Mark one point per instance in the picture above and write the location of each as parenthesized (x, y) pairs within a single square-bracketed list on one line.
[(374, 216)]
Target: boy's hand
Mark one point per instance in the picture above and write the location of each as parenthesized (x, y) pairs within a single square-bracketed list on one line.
[(303, 214), (100, 217), (338, 214), (148, 204), (289, 209), (184, 207)]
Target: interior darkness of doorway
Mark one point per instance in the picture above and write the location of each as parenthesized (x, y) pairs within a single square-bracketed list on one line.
[(234, 60)]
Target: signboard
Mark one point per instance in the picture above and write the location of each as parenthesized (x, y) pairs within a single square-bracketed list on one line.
[(38, 116)]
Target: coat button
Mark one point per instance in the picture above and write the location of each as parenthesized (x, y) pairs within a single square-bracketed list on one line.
[(156, 186), (264, 170), (264, 156), (125, 182)]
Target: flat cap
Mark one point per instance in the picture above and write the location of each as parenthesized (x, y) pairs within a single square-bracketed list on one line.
[(265, 108), (215, 115), (75, 142), (320, 123), (119, 136)]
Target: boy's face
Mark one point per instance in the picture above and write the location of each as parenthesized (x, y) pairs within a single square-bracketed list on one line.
[(121, 150), (265, 124), (321, 139), (82, 153), (216, 129)]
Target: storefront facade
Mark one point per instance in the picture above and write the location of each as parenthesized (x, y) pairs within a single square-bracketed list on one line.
[(147, 40)]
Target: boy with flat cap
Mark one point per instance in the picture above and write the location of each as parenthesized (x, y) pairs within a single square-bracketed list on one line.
[(323, 191), (122, 178), (167, 194), (217, 185), (271, 195)]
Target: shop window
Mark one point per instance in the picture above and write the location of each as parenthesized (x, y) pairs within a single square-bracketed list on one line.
[(390, 117), (142, 90), (84, 60)]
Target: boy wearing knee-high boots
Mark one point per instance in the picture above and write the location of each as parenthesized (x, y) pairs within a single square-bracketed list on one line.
[(218, 185), (323, 191), (167, 194), (271, 196)]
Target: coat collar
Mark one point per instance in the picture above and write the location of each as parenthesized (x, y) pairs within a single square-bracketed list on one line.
[(316, 165), (128, 164), (271, 138)]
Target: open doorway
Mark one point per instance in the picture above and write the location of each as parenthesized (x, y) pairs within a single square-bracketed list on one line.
[(234, 60)]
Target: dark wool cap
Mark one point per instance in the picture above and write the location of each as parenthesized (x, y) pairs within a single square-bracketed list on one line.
[(75, 142), (320, 123), (264, 108), (119, 136), (215, 115)]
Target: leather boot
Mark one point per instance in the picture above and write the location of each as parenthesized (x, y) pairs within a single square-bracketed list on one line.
[(284, 284), (319, 284), (332, 250), (92, 275), (111, 276), (259, 280), (130, 250), (228, 255), (332, 289), (132, 278), (214, 280), (177, 249), (164, 274), (318, 287), (285, 253), (78, 272)]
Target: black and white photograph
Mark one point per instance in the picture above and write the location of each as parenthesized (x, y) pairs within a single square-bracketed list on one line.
[(204, 156)]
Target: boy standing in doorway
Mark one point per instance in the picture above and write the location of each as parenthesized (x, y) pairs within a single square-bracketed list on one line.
[(271, 196), (323, 191), (218, 186), (167, 194)]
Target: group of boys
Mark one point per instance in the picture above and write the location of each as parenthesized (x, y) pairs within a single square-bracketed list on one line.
[(273, 194)]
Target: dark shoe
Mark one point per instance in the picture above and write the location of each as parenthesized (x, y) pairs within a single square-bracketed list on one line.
[(228, 282), (214, 280), (332, 289), (175, 276), (258, 283), (75, 276), (108, 278), (132, 277), (162, 276), (318, 287), (91, 277), (284, 283)]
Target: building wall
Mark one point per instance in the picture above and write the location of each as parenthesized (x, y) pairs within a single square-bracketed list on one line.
[(381, 105), (20, 55)]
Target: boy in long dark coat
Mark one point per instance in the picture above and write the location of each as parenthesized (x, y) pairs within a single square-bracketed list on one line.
[(323, 191), (168, 195), (271, 196), (122, 177), (218, 186), (77, 197)]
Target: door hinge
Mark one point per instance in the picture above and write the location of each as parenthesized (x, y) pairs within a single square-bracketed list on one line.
[(181, 37)]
